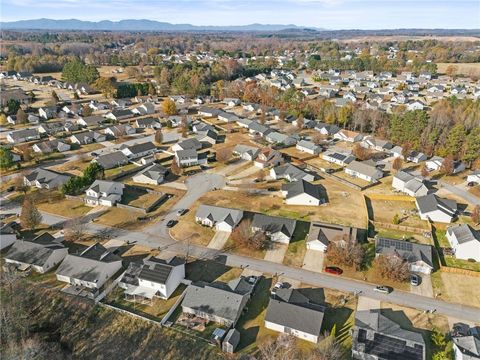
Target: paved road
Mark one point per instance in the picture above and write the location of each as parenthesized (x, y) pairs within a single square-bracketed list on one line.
[(459, 191)]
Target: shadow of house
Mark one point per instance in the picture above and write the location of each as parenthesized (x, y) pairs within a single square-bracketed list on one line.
[(205, 270)]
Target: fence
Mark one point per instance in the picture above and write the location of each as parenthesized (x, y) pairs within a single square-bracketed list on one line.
[(400, 227), (391, 197), (459, 271), (131, 313), (341, 180), (127, 172), (146, 210)]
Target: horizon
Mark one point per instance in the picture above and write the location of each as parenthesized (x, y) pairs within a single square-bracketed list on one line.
[(325, 14)]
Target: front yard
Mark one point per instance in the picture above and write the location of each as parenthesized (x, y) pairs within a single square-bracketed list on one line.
[(65, 207)]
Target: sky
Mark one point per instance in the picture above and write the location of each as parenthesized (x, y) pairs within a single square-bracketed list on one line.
[(329, 14)]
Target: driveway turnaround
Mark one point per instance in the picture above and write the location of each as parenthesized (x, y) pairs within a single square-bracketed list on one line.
[(219, 240), (313, 260)]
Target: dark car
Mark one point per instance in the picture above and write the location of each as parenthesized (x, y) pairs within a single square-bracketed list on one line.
[(333, 270), (415, 280), (181, 212), (171, 223), (471, 184), (271, 189)]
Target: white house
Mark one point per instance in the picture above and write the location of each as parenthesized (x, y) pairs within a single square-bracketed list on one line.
[(364, 170), (338, 158), (119, 130), (320, 235), (431, 207), (349, 136), (308, 147), (290, 173), (464, 241), (474, 177), (106, 193), (223, 219), (409, 184), (278, 229), (19, 136), (153, 175), (302, 193), (45, 179), (190, 157), (41, 254), (246, 152), (139, 150)]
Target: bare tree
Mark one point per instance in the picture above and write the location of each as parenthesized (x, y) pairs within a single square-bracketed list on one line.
[(224, 155), (392, 267), (244, 235), (74, 229), (283, 348), (158, 136), (346, 252), (448, 166), (30, 217), (397, 164), (328, 349)]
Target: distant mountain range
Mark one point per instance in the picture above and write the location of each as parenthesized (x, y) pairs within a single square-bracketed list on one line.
[(134, 25)]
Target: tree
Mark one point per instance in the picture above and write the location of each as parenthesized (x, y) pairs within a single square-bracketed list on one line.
[(224, 155), (392, 267), (175, 169), (472, 146), (13, 106), (360, 152), (74, 229), (76, 71), (447, 165), (475, 215), (3, 119), (30, 217), (318, 138), (300, 122), (86, 110), (21, 116), (105, 85), (397, 164), (6, 158), (158, 136), (424, 171), (243, 235), (169, 107), (346, 252), (19, 184), (283, 348), (328, 349), (396, 219)]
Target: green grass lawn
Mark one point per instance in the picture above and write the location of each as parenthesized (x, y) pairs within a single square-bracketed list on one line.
[(462, 264)]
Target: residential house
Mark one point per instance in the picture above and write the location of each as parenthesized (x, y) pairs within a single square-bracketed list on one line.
[(218, 302), (148, 123), (227, 117), (119, 114), (309, 147), (278, 138), (465, 241), (20, 136), (146, 108), (223, 219), (49, 146), (278, 229), (376, 337), (433, 208), (119, 130), (418, 256), (190, 157), (111, 160), (327, 129), (105, 193), (139, 150), (370, 142), (93, 121), (89, 269), (87, 137), (188, 144), (45, 179), (474, 177), (290, 173), (338, 158), (8, 234), (48, 112), (208, 111), (302, 193), (321, 235), (466, 342), (267, 158), (348, 136), (41, 254), (409, 184), (153, 277), (246, 152), (416, 157), (154, 175), (365, 170), (51, 128), (209, 137), (257, 129), (291, 312)]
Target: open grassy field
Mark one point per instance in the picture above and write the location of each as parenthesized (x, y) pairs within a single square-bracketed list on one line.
[(467, 69), (352, 179), (457, 288), (121, 218), (65, 207), (72, 167), (296, 154)]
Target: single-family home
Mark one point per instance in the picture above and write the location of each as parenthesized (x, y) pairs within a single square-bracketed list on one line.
[(377, 337), (154, 174), (111, 160), (474, 177), (465, 241), (365, 170), (246, 152), (418, 256), (102, 192), (278, 138), (148, 123), (302, 193), (409, 184), (146, 108), (290, 173), (327, 129), (190, 157), (320, 235), (93, 121), (278, 229), (223, 219), (347, 135), (20, 136), (45, 179), (48, 112), (227, 117), (208, 137), (119, 130), (152, 278), (466, 342), (139, 150), (337, 158), (51, 128), (188, 144), (267, 158), (309, 147), (257, 129), (369, 142), (433, 208), (87, 137), (50, 146), (41, 254), (208, 111), (416, 157), (119, 114), (290, 312), (89, 269)]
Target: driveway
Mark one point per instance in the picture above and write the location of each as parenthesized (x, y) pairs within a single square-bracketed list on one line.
[(425, 288), (229, 168), (276, 253), (366, 303), (313, 260), (459, 191), (219, 240), (245, 173)]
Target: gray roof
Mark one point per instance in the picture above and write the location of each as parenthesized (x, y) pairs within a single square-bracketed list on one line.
[(432, 202), (409, 251), (34, 252), (302, 187), (112, 160), (140, 148), (242, 149), (191, 143), (25, 133), (154, 172), (221, 302), (293, 172), (103, 186), (365, 168), (464, 233), (327, 233), (291, 309), (274, 224), (219, 214), (159, 270), (308, 145), (44, 176), (186, 154), (469, 346)]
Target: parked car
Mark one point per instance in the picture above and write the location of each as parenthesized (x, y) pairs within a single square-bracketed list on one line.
[(333, 270), (278, 285), (471, 184), (271, 189), (181, 212), (382, 289), (415, 279), (11, 188), (171, 223)]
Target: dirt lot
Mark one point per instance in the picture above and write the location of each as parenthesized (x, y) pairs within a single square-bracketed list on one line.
[(457, 288), (72, 167), (352, 179), (468, 69), (138, 198)]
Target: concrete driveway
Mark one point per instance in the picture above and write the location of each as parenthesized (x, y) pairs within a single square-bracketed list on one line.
[(219, 240), (366, 303), (313, 260), (245, 173), (276, 253), (425, 288)]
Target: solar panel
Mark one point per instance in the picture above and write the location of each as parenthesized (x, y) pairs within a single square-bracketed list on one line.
[(389, 348)]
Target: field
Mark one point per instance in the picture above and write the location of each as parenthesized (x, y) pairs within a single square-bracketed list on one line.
[(65, 207), (467, 69), (384, 211), (457, 288)]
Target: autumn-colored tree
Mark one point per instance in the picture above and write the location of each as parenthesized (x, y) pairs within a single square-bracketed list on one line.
[(475, 215), (21, 116), (448, 166), (223, 155), (347, 252), (397, 164), (169, 107), (175, 169), (3, 119), (300, 122), (451, 70), (318, 138), (424, 171), (158, 136), (86, 110), (392, 267), (30, 217), (19, 184), (243, 235), (360, 152)]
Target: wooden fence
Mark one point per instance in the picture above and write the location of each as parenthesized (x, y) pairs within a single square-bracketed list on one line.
[(391, 197), (454, 270), (401, 227)]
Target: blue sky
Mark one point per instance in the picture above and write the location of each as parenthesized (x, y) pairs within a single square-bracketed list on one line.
[(331, 14)]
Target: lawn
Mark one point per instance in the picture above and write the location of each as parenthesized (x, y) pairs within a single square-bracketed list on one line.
[(352, 179), (384, 211), (209, 271), (458, 288), (65, 207), (187, 228), (137, 197), (468, 69), (73, 167), (117, 217), (298, 246), (322, 164), (110, 173), (297, 154), (402, 235), (475, 191)]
